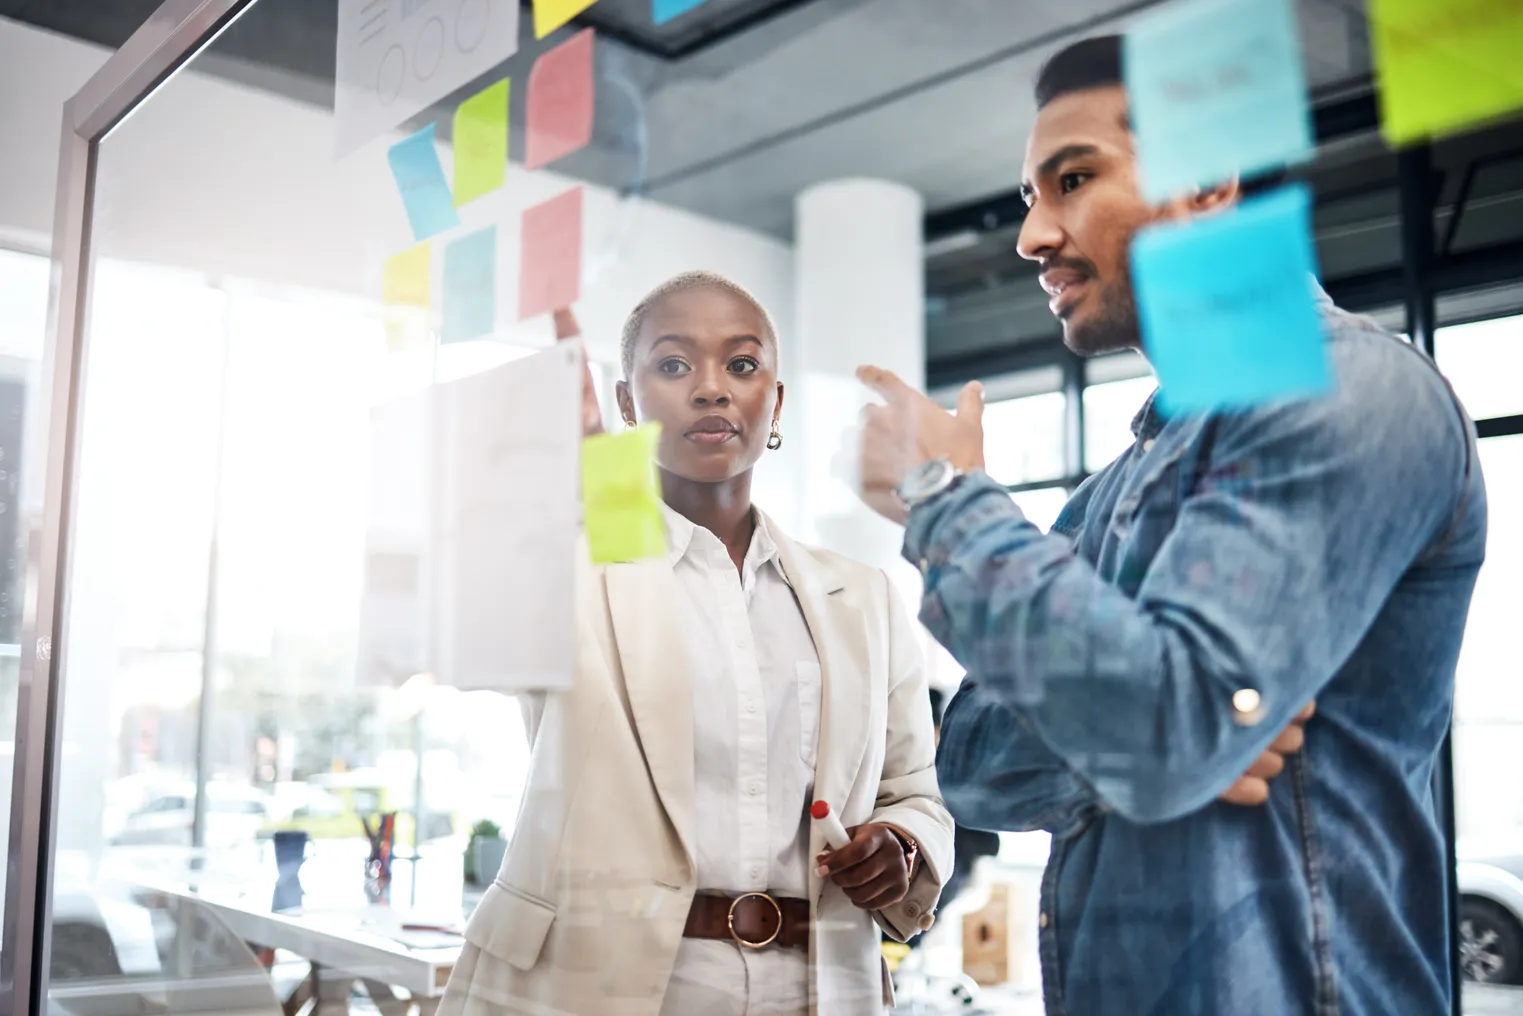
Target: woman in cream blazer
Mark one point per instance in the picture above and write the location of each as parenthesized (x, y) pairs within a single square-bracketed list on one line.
[(643, 785)]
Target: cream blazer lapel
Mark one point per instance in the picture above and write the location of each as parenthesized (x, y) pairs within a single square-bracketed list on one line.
[(840, 637), (647, 608)]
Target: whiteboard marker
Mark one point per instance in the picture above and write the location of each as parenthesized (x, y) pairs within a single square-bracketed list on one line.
[(830, 826)]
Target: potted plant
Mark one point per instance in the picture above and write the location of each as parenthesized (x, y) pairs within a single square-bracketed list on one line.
[(484, 852)]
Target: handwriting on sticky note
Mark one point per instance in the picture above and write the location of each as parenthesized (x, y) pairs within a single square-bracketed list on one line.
[(1235, 105), (621, 496), (663, 11), (550, 265), (481, 143), (420, 180), (1444, 65), (559, 107), (470, 286), (552, 14), (404, 297), (1227, 306)]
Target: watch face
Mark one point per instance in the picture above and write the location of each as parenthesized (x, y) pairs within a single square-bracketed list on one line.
[(927, 479)]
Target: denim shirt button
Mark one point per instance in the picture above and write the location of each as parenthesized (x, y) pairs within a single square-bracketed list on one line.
[(1043, 919), (1147, 446), (1246, 702)]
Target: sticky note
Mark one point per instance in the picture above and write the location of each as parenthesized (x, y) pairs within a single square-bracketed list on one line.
[(550, 265), (481, 143), (1227, 306), (404, 298), (665, 10), (559, 106), (552, 14), (470, 286), (1443, 65), (1215, 87), (420, 179), (621, 497)]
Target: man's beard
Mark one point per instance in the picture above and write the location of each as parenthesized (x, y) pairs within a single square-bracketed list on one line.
[(1112, 326)]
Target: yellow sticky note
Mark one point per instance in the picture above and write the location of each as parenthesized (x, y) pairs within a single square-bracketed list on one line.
[(1444, 65), (552, 14), (481, 143), (621, 496), (404, 297)]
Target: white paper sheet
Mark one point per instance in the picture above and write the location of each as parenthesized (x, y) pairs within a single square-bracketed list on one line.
[(398, 57), (472, 534)]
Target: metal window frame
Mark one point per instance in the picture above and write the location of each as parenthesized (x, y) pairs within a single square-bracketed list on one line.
[(165, 43)]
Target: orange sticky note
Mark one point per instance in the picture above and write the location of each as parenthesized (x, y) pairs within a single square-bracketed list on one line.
[(560, 102), (404, 297), (550, 266), (552, 14)]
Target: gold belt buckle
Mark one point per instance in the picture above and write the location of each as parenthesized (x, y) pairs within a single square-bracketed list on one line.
[(730, 920)]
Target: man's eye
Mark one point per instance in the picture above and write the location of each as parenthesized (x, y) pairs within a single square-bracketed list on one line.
[(744, 365), (1069, 182), (672, 365)]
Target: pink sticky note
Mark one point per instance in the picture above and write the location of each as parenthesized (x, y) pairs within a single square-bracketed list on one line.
[(560, 102), (550, 267)]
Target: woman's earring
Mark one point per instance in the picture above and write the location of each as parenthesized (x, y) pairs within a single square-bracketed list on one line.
[(776, 440)]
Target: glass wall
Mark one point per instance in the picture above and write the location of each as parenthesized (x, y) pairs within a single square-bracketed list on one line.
[(23, 321), (1482, 360), (313, 339)]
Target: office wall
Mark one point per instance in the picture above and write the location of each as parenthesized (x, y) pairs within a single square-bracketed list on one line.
[(231, 183)]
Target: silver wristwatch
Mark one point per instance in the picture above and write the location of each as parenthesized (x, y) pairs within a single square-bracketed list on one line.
[(927, 480)]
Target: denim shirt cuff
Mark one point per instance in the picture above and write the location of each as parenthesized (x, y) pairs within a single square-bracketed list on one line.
[(938, 526)]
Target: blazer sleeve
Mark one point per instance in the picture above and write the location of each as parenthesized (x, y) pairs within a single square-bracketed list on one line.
[(908, 796)]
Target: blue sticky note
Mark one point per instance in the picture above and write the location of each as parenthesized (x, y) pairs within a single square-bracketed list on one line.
[(1214, 88), (1227, 306), (425, 191), (665, 10), (470, 286)]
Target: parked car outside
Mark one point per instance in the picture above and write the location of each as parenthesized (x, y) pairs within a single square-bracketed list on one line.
[(1490, 882), (235, 814)]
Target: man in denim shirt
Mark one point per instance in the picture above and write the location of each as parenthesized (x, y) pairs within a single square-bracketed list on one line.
[(1192, 597)]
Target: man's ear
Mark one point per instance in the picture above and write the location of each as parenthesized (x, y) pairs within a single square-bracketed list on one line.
[(1204, 201)]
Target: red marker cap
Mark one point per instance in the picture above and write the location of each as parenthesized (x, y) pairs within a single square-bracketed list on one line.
[(819, 809)]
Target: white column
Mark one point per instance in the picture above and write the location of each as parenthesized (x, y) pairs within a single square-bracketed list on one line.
[(860, 299)]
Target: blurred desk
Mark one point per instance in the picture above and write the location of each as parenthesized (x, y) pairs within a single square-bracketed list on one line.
[(365, 945)]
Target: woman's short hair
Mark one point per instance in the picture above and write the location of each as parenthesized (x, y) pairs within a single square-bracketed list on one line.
[(681, 284)]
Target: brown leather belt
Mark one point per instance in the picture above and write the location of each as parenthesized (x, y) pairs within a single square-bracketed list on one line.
[(754, 920)]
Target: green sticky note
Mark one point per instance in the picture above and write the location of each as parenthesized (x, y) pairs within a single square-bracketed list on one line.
[(481, 143), (1445, 65), (621, 496)]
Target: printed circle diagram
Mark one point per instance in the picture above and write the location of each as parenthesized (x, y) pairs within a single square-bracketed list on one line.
[(390, 75), (471, 24), (429, 49)]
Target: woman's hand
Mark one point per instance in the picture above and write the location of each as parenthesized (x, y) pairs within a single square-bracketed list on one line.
[(872, 869), (592, 417), (1252, 788)]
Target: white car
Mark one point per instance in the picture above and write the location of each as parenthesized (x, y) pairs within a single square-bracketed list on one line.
[(235, 814), (1490, 881)]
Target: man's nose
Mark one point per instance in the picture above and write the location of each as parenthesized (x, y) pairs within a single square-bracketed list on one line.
[(1041, 236)]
